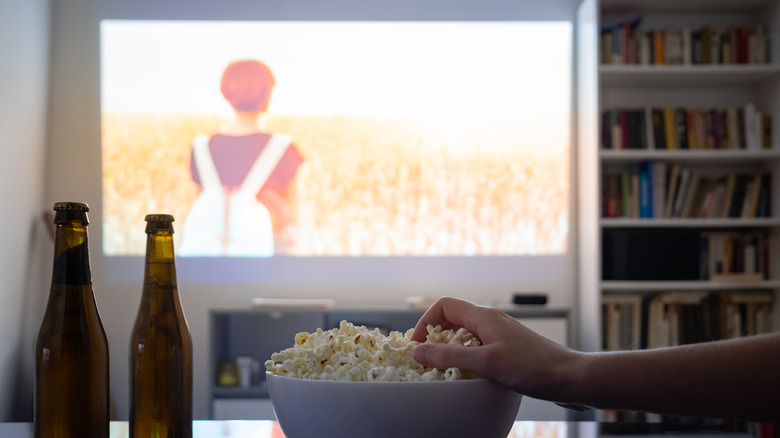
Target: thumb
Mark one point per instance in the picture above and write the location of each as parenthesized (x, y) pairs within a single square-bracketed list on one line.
[(443, 356)]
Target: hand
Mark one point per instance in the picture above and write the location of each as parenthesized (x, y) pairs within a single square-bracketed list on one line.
[(511, 354)]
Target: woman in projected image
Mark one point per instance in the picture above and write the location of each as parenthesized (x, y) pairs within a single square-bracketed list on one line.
[(244, 174)]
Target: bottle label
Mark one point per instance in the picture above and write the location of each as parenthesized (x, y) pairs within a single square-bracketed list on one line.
[(72, 266)]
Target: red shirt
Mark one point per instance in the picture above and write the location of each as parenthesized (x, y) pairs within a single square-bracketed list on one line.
[(234, 156)]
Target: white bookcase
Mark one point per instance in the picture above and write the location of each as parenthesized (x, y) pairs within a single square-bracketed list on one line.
[(605, 86), (602, 86)]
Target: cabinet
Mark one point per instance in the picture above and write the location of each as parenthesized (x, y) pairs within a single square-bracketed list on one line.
[(644, 254), (258, 333)]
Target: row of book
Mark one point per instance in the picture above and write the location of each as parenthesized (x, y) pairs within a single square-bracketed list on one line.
[(734, 256), (686, 128), (636, 321), (657, 189), (625, 42)]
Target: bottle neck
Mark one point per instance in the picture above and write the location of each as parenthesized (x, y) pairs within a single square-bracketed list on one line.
[(71, 254), (160, 266)]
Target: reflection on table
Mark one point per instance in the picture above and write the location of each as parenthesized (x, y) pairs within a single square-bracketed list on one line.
[(271, 429), (521, 429)]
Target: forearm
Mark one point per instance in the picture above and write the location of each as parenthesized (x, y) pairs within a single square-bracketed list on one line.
[(728, 379)]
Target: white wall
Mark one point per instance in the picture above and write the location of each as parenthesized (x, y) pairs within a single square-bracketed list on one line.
[(74, 165), (24, 32)]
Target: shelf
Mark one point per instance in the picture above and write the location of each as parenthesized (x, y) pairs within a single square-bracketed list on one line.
[(259, 391), (687, 75), (770, 222), (691, 285), (697, 155)]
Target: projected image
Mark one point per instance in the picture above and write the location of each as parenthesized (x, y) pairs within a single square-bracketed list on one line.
[(337, 138)]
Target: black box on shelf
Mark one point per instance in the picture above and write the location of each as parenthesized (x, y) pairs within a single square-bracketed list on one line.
[(651, 254)]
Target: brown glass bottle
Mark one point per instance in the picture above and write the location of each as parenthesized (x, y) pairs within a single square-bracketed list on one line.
[(71, 351), (160, 345)]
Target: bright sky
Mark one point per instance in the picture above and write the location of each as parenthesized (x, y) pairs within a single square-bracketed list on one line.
[(346, 68)]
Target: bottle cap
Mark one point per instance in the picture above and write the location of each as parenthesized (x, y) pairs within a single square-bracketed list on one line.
[(71, 206), (159, 218)]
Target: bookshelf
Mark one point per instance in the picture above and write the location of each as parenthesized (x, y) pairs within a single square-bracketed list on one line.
[(637, 82)]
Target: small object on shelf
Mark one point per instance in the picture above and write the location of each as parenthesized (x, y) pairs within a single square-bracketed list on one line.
[(529, 299), (228, 374), (248, 370)]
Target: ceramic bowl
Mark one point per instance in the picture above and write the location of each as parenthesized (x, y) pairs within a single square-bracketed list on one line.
[(323, 408)]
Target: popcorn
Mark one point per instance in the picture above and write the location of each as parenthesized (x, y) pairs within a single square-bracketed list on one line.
[(359, 354)]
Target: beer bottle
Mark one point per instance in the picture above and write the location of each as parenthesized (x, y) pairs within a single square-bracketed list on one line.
[(160, 345), (71, 351)]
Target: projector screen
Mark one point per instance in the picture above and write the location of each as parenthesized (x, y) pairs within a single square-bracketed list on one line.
[(339, 149)]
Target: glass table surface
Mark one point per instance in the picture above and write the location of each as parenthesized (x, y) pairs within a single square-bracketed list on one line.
[(521, 429)]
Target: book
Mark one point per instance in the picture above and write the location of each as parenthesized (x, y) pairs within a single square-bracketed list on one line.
[(763, 207), (682, 191), (658, 47), (712, 200), (634, 197), (674, 181), (616, 131), (659, 188), (731, 182), (646, 190), (658, 324), (751, 197), (691, 194), (624, 131), (612, 198), (717, 128), (681, 128), (738, 196), (659, 128), (670, 128), (649, 128), (701, 189), (766, 128), (690, 116), (606, 129), (625, 194), (624, 321), (752, 127)]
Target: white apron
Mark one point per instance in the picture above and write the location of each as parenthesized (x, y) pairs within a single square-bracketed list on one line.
[(231, 223)]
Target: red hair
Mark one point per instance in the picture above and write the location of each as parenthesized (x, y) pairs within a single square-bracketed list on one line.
[(247, 85)]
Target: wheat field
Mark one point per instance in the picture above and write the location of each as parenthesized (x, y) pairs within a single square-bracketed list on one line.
[(367, 187)]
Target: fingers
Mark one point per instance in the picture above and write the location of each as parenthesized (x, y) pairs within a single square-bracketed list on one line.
[(443, 356), (448, 312)]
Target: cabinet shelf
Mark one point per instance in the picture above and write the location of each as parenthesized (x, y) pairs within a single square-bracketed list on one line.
[(615, 286), (687, 75), (770, 222), (260, 391)]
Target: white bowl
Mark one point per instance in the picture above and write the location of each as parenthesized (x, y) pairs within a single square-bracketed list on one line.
[(324, 408)]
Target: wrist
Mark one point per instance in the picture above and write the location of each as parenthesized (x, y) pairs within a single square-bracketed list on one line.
[(577, 378)]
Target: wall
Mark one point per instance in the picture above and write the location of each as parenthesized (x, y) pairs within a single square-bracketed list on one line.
[(74, 162), (24, 87)]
